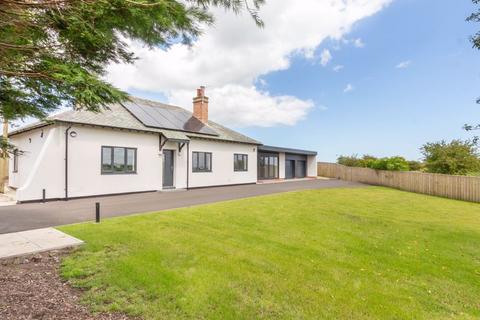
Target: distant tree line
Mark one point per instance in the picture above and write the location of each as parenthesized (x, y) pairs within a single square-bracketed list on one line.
[(456, 157)]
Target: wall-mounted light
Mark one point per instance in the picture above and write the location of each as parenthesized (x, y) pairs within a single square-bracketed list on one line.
[(73, 134), (30, 140), (41, 134)]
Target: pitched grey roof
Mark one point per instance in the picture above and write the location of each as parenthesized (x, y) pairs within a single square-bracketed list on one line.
[(160, 116), (117, 116)]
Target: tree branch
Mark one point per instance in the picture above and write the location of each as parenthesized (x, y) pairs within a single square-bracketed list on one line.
[(28, 74), (21, 47), (142, 4)]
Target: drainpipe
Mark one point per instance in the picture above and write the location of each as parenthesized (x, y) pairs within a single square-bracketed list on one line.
[(188, 162), (66, 162)]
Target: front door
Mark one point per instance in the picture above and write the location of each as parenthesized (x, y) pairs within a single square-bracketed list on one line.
[(168, 167)]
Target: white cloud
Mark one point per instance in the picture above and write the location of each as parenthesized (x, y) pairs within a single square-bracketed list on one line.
[(309, 53), (249, 106), (325, 57), (348, 88), (338, 68), (358, 43), (234, 53), (403, 64), (262, 82)]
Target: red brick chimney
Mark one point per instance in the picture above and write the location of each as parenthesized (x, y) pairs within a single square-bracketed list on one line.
[(200, 105)]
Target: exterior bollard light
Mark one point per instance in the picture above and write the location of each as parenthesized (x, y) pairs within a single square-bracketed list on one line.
[(97, 212)]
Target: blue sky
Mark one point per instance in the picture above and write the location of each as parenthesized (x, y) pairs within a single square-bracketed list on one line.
[(389, 111)]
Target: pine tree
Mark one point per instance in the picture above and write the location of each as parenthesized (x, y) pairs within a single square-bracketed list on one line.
[(54, 52)]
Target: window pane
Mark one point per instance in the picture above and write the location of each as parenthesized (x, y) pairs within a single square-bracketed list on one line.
[(271, 167), (131, 160), (275, 167), (195, 161), (266, 169), (118, 159), (263, 166), (208, 161), (270, 170), (240, 162), (106, 159), (201, 161)]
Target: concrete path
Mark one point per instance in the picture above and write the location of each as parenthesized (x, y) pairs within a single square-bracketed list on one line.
[(40, 215), (33, 241)]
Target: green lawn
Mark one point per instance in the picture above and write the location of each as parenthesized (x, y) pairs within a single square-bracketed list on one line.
[(364, 253)]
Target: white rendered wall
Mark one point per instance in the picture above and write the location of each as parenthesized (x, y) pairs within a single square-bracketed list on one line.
[(311, 166), (40, 166), (31, 149), (222, 164), (43, 164), (85, 176)]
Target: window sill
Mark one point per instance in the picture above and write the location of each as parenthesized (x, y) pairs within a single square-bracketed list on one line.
[(117, 173)]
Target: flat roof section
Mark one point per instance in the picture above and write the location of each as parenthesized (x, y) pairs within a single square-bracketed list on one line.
[(286, 150)]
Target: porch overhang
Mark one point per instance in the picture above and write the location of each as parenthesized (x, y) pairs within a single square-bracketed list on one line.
[(173, 136)]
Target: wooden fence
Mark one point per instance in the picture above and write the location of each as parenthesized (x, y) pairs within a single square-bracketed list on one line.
[(453, 187)]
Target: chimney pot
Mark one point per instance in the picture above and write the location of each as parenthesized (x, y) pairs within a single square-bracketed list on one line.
[(201, 91)]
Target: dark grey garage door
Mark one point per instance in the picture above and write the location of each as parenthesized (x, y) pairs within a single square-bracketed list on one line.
[(295, 166), (300, 169), (289, 169)]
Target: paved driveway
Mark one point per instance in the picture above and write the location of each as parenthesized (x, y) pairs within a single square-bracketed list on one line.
[(41, 215)]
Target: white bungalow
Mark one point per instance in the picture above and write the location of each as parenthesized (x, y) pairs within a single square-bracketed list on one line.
[(141, 146)]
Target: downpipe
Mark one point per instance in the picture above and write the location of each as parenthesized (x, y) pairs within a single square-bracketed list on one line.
[(66, 161)]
